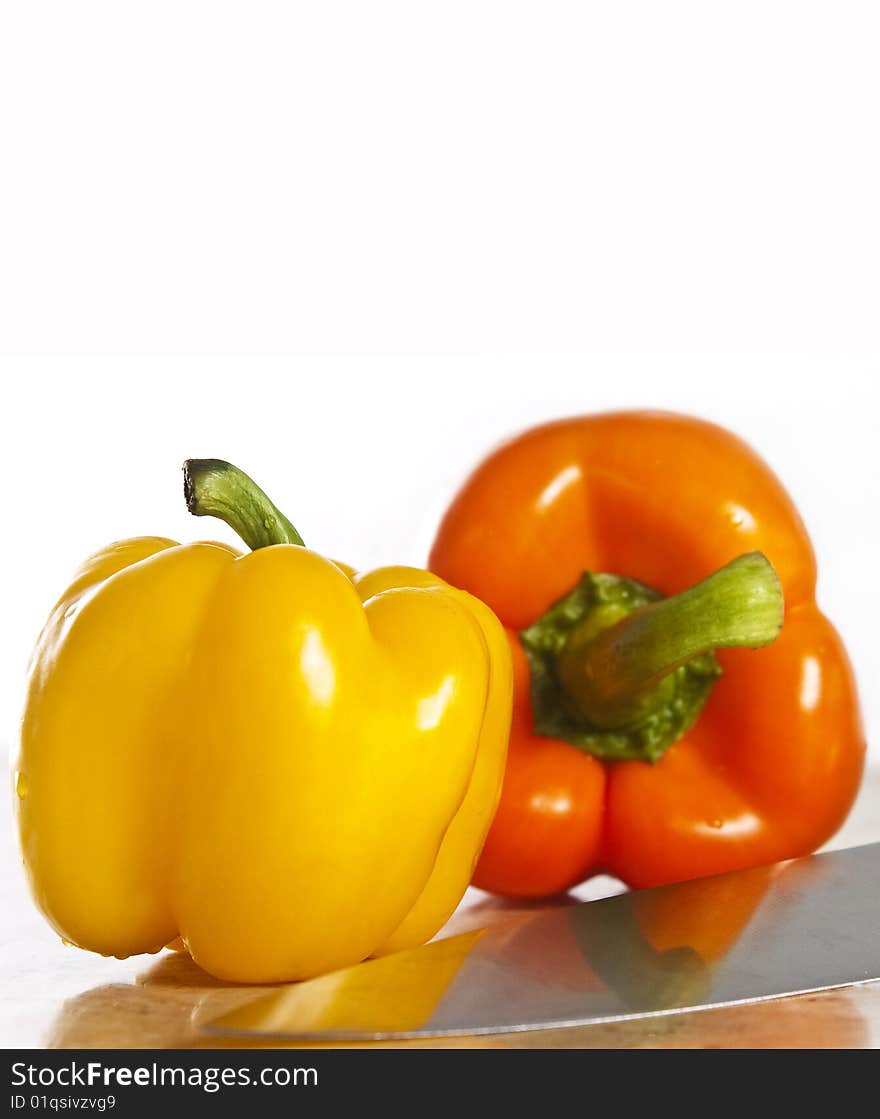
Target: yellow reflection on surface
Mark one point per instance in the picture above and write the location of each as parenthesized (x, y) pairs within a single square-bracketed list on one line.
[(393, 994)]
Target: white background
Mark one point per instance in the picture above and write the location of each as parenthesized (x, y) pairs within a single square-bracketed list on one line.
[(510, 190), (364, 453), (465, 175)]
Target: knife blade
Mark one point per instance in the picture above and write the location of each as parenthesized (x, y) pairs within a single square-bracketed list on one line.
[(804, 925)]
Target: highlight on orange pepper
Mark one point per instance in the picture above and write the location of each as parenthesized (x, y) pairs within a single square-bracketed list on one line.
[(655, 738)]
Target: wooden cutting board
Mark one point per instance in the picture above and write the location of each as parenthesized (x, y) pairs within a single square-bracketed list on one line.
[(60, 997)]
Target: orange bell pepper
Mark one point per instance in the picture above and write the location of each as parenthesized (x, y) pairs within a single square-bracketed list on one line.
[(635, 749)]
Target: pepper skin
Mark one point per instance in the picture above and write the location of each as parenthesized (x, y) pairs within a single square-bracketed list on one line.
[(772, 764), (289, 766)]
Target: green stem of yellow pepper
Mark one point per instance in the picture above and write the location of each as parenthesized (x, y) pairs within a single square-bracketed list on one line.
[(214, 488)]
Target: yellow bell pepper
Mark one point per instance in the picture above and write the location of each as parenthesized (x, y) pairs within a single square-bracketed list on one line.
[(290, 766)]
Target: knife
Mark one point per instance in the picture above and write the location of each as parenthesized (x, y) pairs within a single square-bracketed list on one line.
[(803, 925)]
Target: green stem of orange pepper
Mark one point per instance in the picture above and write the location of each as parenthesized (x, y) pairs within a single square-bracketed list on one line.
[(614, 677), (621, 672)]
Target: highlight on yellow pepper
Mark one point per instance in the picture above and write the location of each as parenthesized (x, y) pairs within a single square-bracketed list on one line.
[(290, 766)]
